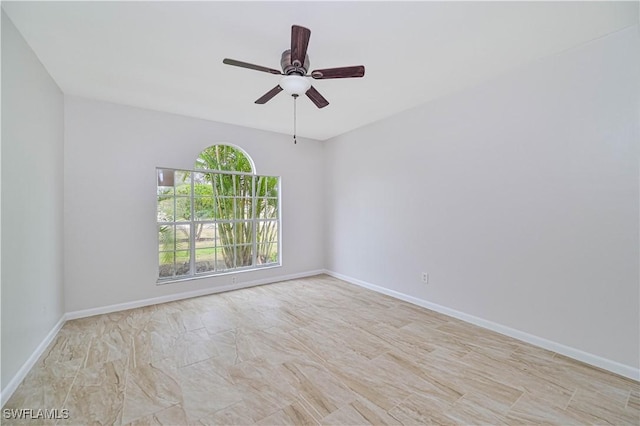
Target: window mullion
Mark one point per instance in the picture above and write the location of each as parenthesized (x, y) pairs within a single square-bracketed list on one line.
[(215, 218), (192, 232), (254, 222), (175, 232), (234, 234)]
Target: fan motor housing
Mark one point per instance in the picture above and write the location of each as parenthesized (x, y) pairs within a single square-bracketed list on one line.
[(288, 68)]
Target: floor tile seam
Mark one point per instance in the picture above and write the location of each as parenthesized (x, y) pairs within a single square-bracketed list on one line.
[(308, 406), (217, 411), (85, 357), (236, 358), (580, 412), (392, 416), (178, 368), (126, 386), (626, 405), (508, 409), (336, 377), (402, 401), (413, 364), (566, 406), (270, 413), (343, 384), (411, 389), (323, 361), (356, 396), (209, 413), (382, 338), (506, 413), (450, 412), (151, 414), (73, 382), (68, 392)]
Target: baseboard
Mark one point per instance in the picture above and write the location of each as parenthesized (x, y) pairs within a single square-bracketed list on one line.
[(30, 362), (577, 354), (185, 295)]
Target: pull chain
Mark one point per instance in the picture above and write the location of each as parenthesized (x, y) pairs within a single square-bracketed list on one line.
[(295, 97)]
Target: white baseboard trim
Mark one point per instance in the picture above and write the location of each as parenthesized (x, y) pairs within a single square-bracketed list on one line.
[(185, 295), (30, 362), (577, 354)]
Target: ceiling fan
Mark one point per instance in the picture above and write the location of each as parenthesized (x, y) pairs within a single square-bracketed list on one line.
[(295, 65)]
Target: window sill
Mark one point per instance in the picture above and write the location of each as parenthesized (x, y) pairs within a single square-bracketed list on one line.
[(216, 275)]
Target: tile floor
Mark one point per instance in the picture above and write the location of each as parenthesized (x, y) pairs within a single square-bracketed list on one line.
[(310, 351)]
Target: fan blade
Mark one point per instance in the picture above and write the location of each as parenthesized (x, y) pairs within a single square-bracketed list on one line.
[(250, 66), (270, 94), (317, 98), (343, 72), (299, 42)]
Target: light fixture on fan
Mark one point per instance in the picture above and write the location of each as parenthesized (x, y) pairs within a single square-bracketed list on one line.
[(295, 85)]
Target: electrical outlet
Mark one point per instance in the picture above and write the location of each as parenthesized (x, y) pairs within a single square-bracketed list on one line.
[(234, 279), (425, 278)]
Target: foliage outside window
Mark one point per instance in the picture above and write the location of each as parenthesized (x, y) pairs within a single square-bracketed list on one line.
[(219, 217)]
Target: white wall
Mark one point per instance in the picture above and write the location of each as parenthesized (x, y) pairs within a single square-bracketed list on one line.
[(519, 198), (32, 194), (111, 152)]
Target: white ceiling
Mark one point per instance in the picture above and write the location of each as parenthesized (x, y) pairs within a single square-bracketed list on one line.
[(167, 56)]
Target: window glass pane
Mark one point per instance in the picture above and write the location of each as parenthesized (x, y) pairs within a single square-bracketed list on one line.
[(203, 193), (267, 208), (223, 185), (224, 208), (244, 255), (225, 233), (182, 237), (225, 258), (269, 254), (199, 178), (166, 238), (166, 268), (273, 211), (182, 177), (267, 186), (183, 262), (205, 235), (223, 157), (166, 179), (165, 209), (205, 260), (183, 209), (243, 208), (243, 233), (236, 184), (267, 242), (203, 208), (203, 189), (164, 191), (244, 185)]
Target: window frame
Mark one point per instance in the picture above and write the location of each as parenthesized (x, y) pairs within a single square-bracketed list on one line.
[(193, 221)]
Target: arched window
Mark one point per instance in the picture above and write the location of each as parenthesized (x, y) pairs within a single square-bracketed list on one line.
[(219, 217), (225, 158)]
